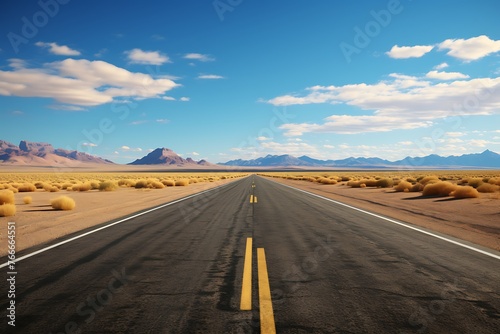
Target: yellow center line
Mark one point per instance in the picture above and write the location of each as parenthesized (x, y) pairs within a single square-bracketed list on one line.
[(246, 289), (267, 325), (251, 198)]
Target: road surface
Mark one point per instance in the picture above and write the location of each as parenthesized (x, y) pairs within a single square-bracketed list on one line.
[(181, 268)]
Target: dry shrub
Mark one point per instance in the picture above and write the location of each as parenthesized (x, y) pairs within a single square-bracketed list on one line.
[(476, 182), (354, 184), (141, 184), (26, 188), (428, 179), (27, 199), (440, 188), (127, 183), (369, 182), (7, 210), (362, 185), (7, 197), (67, 185), (82, 187), (494, 180), (94, 185), (403, 186), (168, 183), (385, 183), (465, 192), (325, 180), (182, 182), (108, 186), (156, 185), (488, 188), (63, 203)]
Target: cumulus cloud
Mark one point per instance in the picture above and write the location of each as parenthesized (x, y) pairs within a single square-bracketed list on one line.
[(441, 66), (138, 56), (470, 49), (446, 75), (60, 50), (390, 104), (403, 52), (89, 144), (199, 57), (80, 82), (184, 99), (125, 148)]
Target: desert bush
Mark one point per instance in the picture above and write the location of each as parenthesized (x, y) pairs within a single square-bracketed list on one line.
[(474, 182), (494, 180), (94, 185), (182, 182), (26, 188), (403, 186), (63, 203), (385, 183), (325, 180), (7, 210), (127, 183), (369, 182), (108, 186), (67, 185), (345, 178), (7, 197), (440, 188), (354, 184), (426, 179), (27, 199), (488, 188), (156, 185), (141, 184), (465, 192), (168, 183)]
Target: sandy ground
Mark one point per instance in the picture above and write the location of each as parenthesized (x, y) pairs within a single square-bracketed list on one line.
[(37, 223), (472, 219)]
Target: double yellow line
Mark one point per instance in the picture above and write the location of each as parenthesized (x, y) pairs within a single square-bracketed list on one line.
[(267, 325)]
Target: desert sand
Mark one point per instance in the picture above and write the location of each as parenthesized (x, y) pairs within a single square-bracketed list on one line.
[(476, 220)]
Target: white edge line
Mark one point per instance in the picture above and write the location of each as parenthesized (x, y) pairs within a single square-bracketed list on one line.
[(395, 222), (109, 225)]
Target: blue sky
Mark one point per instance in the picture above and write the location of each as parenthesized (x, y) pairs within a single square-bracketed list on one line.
[(232, 79)]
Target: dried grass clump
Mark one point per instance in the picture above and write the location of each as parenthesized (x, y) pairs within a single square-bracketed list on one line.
[(168, 183), (26, 188), (403, 186), (369, 182), (494, 180), (325, 180), (141, 184), (156, 185), (417, 187), (7, 210), (385, 183), (488, 188), (7, 197), (355, 184), (474, 182), (428, 179), (27, 199), (82, 187), (127, 183), (465, 192), (63, 203), (182, 182), (108, 186), (440, 188)]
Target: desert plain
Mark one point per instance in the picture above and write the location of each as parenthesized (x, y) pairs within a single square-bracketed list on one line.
[(461, 204)]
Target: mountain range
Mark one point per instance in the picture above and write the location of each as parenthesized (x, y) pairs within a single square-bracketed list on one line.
[(486, 159), (165, 156), (43, 154)]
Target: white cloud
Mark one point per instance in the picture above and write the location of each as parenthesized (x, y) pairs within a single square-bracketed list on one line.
[(60, 50), (80, 82), (138, 122), (198, 56), (195, 153), (403, 52), (446, 75), (89, 144), (125, 148), (455, 134), (65, 107), (406, 143), (328, 146), (470, 49), (138, 56), (441, 66), (263, 138), (388, 105), (184, 99), (162, 120), (210, 76), (478, 142), (168, 98)]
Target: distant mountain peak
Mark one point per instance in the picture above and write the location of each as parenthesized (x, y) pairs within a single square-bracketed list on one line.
[(166, 156)]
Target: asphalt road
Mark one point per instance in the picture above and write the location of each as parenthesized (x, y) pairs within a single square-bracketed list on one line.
[(330, 269)]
